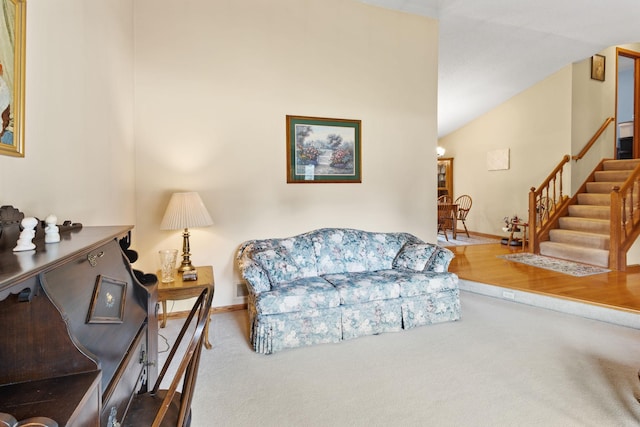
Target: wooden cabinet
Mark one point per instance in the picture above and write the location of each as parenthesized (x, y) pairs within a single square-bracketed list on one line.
[(445, 176), (79, 331)]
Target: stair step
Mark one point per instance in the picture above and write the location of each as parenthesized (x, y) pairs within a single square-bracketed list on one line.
[(591, 256), (601, 187), (590, 211), (589, 225), (571, 237), (628, 164), (596, 199), (612, 175)]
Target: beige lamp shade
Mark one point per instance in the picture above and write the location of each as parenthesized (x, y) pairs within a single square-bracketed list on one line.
[(185, 210)]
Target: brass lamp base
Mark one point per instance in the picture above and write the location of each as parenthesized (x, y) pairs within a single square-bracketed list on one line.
[(186, 255)]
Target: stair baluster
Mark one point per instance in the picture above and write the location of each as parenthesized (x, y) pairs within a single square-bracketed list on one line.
[(545, 204)]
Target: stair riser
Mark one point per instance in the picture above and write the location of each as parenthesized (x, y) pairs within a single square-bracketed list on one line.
[(601, 187), (575, 253), (594, 241), (629, 164), (612, 176), (588, 225), (597, 212), (594, 199)]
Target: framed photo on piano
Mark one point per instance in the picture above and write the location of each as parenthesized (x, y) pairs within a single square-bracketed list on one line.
[(107, 303)]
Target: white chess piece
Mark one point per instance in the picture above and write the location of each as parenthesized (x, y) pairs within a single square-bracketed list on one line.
[(25, 241), (51, 234)]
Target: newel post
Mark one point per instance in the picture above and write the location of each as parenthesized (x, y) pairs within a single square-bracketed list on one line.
[(534, 244), (617, 259)]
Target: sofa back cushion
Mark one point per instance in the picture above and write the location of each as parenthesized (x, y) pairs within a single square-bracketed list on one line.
[(278, 264), (423, 257), (345, 250), (339, 250), (300, 248), (267, 262), (382, 249)]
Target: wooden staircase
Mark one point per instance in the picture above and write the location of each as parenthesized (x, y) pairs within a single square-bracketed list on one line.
[(598, 225), (583, 233)]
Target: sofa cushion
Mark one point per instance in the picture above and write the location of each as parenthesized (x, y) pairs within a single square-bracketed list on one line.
[(339, 250), (412, 284), (355, 288), (307, 293), (278, 264)]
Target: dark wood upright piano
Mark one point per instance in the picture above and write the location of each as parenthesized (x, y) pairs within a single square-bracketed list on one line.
[(78, 331)]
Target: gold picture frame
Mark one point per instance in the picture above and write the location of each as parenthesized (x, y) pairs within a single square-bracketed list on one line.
[(12, 60), (107, 302), (598, 63)]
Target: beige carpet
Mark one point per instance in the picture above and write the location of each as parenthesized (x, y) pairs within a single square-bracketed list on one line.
[(502, 364)]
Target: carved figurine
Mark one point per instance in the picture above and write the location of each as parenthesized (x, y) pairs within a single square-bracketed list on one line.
[(25, 241), (51, 233)]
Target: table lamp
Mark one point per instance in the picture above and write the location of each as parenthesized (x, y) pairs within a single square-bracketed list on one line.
[(184, 211)]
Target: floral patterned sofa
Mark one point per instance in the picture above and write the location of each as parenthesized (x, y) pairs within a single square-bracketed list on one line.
[(335, 284)]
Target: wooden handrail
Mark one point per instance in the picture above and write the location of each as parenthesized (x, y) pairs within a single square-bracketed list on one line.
[(594, 138), (550, 197)]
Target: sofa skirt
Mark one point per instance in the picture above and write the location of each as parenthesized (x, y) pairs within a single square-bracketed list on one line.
[(428, 309), (275, 332), (374, 317)]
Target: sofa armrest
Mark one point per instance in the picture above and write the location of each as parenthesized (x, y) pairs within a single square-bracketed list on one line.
[(440, 260), (255, 276)]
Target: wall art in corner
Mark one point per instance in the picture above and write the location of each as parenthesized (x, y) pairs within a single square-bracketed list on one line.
[(12, 53), (598, 67), (321, 150)]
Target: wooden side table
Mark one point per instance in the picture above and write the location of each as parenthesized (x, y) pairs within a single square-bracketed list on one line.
[(516, 227), (179, 290)]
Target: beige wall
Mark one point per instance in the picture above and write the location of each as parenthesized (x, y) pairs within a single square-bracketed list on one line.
[(593, 102), (79, 161), (536, 128), (214, 82)]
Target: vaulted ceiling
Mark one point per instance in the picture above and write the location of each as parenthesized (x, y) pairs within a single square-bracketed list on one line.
[(490, 50)]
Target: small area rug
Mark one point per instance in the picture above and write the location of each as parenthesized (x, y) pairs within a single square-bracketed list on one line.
[(554, 264)]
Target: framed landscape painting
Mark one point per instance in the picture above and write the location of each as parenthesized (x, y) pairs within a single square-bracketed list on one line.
[(321, 150), (12, 51)]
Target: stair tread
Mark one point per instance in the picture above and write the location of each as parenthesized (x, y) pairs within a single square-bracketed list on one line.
[(611, 176), (585, 219), (599, 257), (581, 233), (593, 225), (576, 247), (573, 237)]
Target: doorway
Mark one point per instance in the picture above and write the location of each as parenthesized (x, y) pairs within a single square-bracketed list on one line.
[(627, 103)]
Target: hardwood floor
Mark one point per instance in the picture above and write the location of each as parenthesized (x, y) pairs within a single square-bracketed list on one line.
[(480, 263)]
